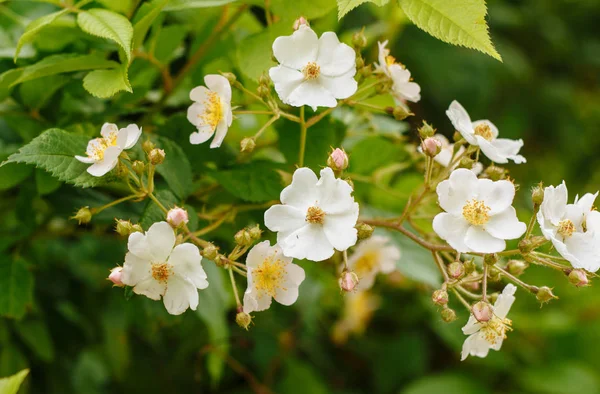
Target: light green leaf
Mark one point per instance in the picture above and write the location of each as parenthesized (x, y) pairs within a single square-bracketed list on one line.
[(458, 22), (11, 384), (108, 24), (254, 182), (310, 9), (178, 5), (176, 169), (54, 150), (140, 29), (16, 283), (107, 83), (254, 52), (35, 27), (345, 6)]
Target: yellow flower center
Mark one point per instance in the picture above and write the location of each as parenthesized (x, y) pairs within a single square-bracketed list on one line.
[(269, 276), (315, 215), (566, 228), (476, 212), (161, 271), (366, 263), (389, 60), (495, 329), (213, 110), (97, 146), (485, 131), (311, 71)]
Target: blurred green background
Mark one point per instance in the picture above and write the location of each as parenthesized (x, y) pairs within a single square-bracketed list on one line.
[(80, 336)]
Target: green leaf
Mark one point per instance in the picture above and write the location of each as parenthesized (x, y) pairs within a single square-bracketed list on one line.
[(176, 169), (345, 6), (36, 336), (35, 27), (310, 9), (108, 24), (141, 27), (107, 83), (152, 213), (178, 5), (16, 283), (37, 93), (459, 22), (54, 150), (254, 182), (13, 174), (45, 183), (11, 384), (365, 161), (447, 384)]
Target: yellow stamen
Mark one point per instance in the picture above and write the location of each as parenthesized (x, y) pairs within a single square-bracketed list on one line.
[(315, 215), (566, 228), (476, 212), (213, 110), (269, 276), (484, 130), (495, 329), (311, 71), (161, 271)]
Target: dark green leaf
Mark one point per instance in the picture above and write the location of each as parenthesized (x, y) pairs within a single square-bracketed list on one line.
[(16, 283), (152, 213), (176, 169), (254, 182)]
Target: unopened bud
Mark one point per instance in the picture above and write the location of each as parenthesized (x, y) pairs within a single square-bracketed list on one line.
[(121, 171), (148, 145), (456, 270), (526, 245), (299, 22), (516, 267), (247, 145), (440, 297), (360, 62), (177, 217), (470, 266), (494, 275), (426, 131), (401, 112), (359, 40), (210, 252), (456, 137), (448, 315), (578, 278), (431, 146), (495, 173), (243, 320), (83, 215), (125, 227), (263, 91), (348, 281), (364, 230), (544, 294), (366, 72), (115, 276), (466, 162), (537, 194), (337, 160), (230, 77), (156, 156), (482, 311), (138, 167), (490, 259), (243, 238), (255, 232)]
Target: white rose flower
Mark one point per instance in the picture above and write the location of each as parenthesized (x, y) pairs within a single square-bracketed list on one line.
[(317, 216), (479, 215), (211, 110), (372, 256), (103, 153), (444, 158), (270, 275), (402, 88), (574, 229), (484, 336), (313, 71), (156, 268), (484, 134)]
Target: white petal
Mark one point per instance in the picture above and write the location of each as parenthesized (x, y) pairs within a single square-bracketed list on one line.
[(583, 251), (180, 295), (381, 55), (505, 301), (108, 129), (554, 205), (498, 196), (187, 262), (133, 134), (297, 50), (335, 58), (501, 150), (308, 242), (85, 159), (462, 122), (220, 85), (110, 160), (339, 228), (334, 195), (505, 225), (475, 345), (255, 303), (220, 134), (122, 136), (199, 94), (260, 252), (452, 229), (135, 269), (295, 276), (340, 87), (302, 192), (457, 190), (160, 239), (150, 288), (284, 218), (479, 240), (586, 202), (194, 114), (313, 94), (286, 80), (472, 326), (202, 135), (410, 91), (138, 245)]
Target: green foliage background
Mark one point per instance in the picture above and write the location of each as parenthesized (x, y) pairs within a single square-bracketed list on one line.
[(78, 335)]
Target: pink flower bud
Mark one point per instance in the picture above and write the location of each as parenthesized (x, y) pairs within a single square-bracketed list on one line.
[(115, 276), (299, 22), (431, 146), (482, 311), (440, 297), (578, 278), (348, 281), (338, 160), (177, 217)]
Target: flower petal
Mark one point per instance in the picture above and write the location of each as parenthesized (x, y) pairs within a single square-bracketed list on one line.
[(498, 196), (475, 345), (297, 50), (256, 303), (554, 205), (339, 228), (150, 288), (160, 239), (334, 195), (133, 134), (308, 242), (220, 134), (110, 160), (457, 190), (302, 192), (138, 245), (202, 135), (505, 301), (501, 150), (135, 269), (479, 240), (505, 225), (461, 121), (452, 229), (335, 58), (108, 129), (313, 94), (180, 295), (187, 263), (342, 86), (85, 159), (286, 80), (472, 326), (259, 253), (284, 218), (199, 94), (220, 85)]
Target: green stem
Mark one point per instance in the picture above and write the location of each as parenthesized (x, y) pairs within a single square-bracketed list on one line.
[(113, 203), (303, 128), (266, 126), (415, 238), (461, 299), (158, 203), (234, 287)]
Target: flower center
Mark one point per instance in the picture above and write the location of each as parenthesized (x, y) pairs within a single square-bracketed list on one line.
[(484, 131), (389, 60), (495, 329), (161, 271), (311, 71), (315, 215), (213, 111), (366, 263), (269, 276), (476, 212), (566, 228)]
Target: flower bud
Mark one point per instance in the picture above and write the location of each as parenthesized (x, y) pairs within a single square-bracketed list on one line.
[(456, 270), (495, 173), (263, 91), (359, 40), (83, 216), (482, 311), (243, 238), (448, 315), (526, 245), (299, 22), (243, 320), (210, 252), (255, 232), (366, 72), (431, 146), (516, 267), (537, 194), (337, 160), (456, 137), (360, 62), (230, 77), (247, 145), (125, 228), (466, 162), (578, 278), (115, 276), (138, 167), (494, 275), (148, 145), (544, 294), (364, 230), (440, 297), (348, 281), (121, 171), (490, 259), (470, 266), (156, 156), (177, 217), (401, 112), (426, 130)]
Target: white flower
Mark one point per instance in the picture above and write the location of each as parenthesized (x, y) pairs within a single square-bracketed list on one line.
[(446, 154), (156, 268), (484, 134), (574, 229), (479, 215), (313, 71), (371, 257), (316, 216), (104, 152), (270, 275), (402, 88), (211, 110), (484, 336)]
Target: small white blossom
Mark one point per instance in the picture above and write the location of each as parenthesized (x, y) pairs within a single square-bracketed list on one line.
[(317, 216), (479, 215), (271, 275), (484, 336), (103, 153), (444, 158), (484, 134), (574, 229), (402, 88), (313, 71), (211, 110), (372, 256), (156, 268)]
